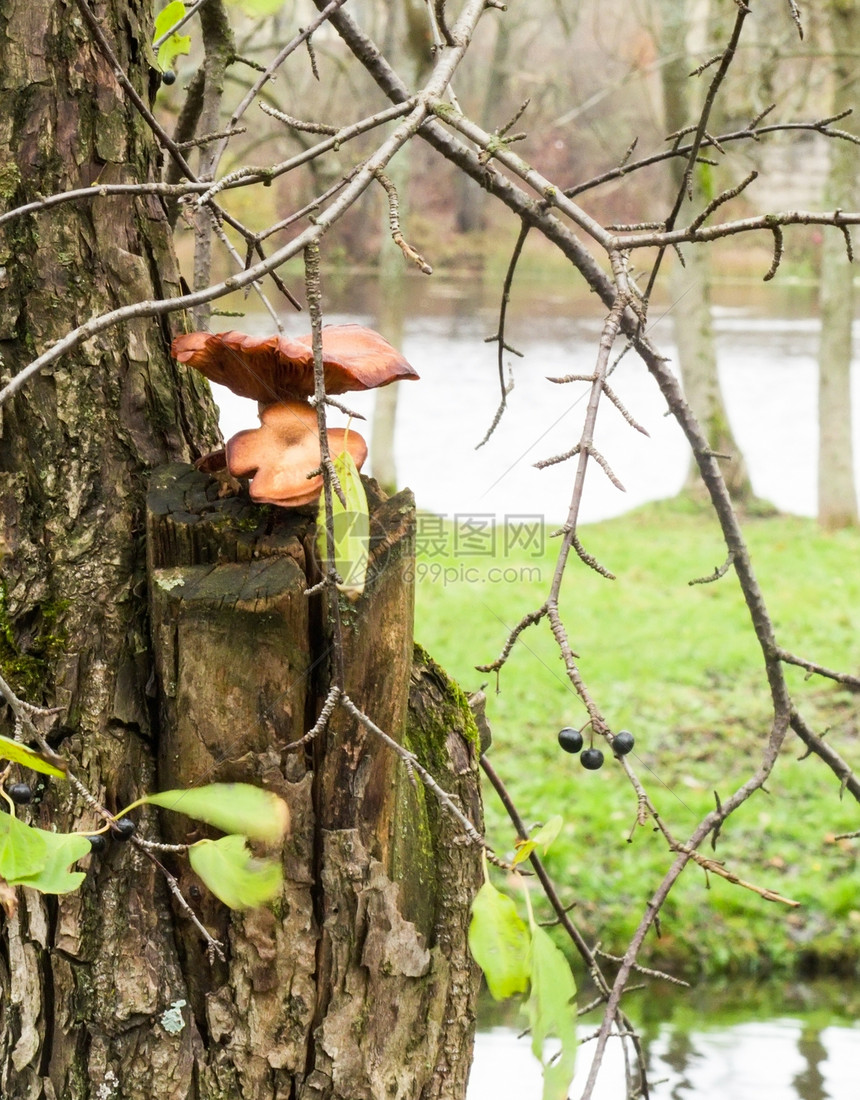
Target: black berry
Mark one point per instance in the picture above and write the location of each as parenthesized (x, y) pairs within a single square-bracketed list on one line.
[(623, 742), (592, 759), (168, 77), (98, 842), (570, 739), (20, 793), (123, 828)]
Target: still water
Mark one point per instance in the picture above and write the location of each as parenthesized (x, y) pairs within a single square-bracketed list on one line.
[(767, 368), (799, 1042), (803, 1046)]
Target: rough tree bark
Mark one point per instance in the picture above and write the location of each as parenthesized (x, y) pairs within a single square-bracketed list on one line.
[(360, 984), (86, 979), (837, 493)]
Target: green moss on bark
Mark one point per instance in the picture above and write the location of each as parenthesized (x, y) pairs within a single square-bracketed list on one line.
[(441, 731), (27, 667)]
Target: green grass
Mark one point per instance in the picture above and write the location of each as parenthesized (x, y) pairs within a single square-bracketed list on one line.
[(677, 665)]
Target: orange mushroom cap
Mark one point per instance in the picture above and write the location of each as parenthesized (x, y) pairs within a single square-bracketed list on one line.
[(274, 368), (282, 452)]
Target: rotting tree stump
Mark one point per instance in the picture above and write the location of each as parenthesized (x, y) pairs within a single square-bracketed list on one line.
[(357, 983)]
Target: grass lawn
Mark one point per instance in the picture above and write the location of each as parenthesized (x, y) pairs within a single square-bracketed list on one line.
[(678, 666)]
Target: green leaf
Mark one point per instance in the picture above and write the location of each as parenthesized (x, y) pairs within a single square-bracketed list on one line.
[(176, 44), (351, 526), (551, 1012), (230, 807), (168, 17), (35, 857), (542, 839), (524, 850), (499, 942), (14, 750), (235, 876)]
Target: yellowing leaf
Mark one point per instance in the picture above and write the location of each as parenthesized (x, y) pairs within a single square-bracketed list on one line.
[(351, 527), (542, 839), (499, 942), (176, 44), (551, 1012), (524, 850), (233, 875), (14, 750), (168, 17), (230, 807)]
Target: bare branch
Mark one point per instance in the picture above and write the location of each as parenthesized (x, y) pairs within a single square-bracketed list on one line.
[(328, 707), (721, 199), (720, 571), (526, 621), (717, 868), (500, 332), (545, 462), (427, 779), (778, 249), (297, 123), (394, 225), (819, 670)]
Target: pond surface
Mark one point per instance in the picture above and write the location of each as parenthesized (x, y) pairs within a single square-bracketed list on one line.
[(784, 1043), (767, 368)]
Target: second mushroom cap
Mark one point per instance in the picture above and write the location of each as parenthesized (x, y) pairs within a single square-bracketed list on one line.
[(279, 455)]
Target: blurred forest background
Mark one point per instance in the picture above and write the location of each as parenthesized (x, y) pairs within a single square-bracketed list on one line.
[(596, 76)]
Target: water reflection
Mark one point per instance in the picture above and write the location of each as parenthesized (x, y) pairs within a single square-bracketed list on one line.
[(809, 1083), (704, 1048)]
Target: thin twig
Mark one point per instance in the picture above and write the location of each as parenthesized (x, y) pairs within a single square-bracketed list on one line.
[(526, 621), (427, 779), (190, 12), (719, 571), (499, 338), (331, 700), (394, 225), (715, 867)]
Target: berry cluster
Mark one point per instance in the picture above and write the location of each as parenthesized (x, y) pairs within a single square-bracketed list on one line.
[(22, 795), (571, 740)]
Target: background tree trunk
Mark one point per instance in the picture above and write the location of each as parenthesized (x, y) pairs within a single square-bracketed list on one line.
[(837, 493), (691, 284), (92, 984)]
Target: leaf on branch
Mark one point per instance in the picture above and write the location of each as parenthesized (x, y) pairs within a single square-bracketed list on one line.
[(551, 1012), (543, 839), (499, 942), (14, 750), (230, 807), (233, 874), (350, 528), (176, 44), (37, 858)]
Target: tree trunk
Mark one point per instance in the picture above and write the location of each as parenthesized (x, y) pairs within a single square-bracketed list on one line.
[(85, 976), (691, 285), (367, 950), (92, 984), (837, 494)]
